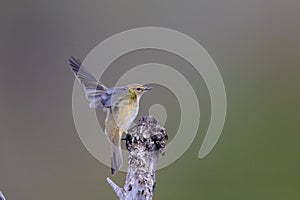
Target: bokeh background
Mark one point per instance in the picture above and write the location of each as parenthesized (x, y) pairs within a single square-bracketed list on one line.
[(255, 44)]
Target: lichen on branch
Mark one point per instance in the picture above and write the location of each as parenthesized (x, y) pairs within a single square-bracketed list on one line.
[(144, 142)]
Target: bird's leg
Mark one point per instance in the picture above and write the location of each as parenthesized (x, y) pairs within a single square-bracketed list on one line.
[(124, 133)]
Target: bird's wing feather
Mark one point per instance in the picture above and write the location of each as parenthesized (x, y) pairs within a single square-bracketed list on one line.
[(113, 95), (85, 78), (97, 93), (93, 88)]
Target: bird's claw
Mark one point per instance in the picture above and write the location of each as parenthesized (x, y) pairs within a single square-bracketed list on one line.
[(124, 135)]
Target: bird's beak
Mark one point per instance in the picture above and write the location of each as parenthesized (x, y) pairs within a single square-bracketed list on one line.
[(147, 88)]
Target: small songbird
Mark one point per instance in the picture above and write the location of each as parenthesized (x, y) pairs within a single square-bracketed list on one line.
[(120, 103)]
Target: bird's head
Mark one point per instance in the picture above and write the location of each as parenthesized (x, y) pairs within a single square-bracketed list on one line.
[(138, 89)]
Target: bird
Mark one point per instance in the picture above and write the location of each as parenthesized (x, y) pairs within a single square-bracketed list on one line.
[(121, 105)]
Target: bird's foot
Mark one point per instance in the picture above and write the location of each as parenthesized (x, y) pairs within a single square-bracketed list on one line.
[(124, 135)]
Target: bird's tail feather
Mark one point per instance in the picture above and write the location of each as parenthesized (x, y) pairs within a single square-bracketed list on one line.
[(116, 159)]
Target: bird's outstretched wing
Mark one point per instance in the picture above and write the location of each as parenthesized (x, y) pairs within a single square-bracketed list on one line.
[(97, 93), (94, 89)]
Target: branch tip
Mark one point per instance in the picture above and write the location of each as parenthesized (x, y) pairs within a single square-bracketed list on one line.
[(2, 196), (115, 187)]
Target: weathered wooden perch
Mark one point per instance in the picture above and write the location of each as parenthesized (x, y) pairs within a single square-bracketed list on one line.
[(144, 143)]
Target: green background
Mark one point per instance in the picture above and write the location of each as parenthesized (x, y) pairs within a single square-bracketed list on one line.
[(255, 44)]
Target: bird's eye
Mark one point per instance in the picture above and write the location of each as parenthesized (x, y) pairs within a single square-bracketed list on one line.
[(138, 89)]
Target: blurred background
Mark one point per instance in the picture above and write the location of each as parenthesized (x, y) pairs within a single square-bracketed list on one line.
[(255, 44)]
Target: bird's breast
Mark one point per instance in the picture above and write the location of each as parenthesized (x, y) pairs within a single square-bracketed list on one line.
[(125, 113)]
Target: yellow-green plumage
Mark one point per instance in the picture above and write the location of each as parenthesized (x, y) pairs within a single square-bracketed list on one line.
[(118, 120), (120, 116), (121, 105)]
